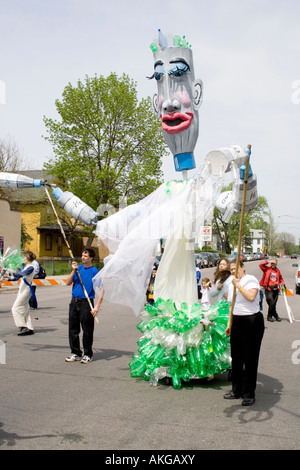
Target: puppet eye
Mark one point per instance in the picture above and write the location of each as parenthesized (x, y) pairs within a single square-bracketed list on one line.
[(158, 72), (179, 70), (158, 75)]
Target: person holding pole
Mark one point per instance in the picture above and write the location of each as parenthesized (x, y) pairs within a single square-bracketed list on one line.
[(246, 329), (80, 312)]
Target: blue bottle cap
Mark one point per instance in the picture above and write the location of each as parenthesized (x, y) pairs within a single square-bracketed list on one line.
[(57, 192), (184, 161), (37, 183), (243, 171)]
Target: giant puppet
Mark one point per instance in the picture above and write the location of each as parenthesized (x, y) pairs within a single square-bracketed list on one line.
[(179, 339)]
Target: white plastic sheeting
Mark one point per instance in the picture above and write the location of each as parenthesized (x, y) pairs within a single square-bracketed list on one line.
[(175, 211)]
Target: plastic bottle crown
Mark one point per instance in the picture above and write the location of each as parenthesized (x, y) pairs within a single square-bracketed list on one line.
[(153, 47), (177, 41)]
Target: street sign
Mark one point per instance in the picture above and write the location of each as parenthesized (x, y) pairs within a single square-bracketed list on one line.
[(206, 233)]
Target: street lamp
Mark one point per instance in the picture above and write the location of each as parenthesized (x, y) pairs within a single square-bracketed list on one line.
[(286, 223), (288, 216)]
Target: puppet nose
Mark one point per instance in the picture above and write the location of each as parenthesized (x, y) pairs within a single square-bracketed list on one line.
[(170, 106)]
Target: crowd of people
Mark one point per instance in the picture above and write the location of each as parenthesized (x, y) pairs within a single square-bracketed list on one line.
[(243, 291)]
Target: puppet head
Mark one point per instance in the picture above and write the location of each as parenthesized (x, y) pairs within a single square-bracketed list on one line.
[(178, 98)]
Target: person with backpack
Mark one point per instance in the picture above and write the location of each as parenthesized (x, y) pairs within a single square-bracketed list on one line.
[(20, 308), (33, 301)]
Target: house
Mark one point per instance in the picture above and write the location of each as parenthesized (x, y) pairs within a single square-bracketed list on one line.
[(10, 226), (30, 210), (258, 241)]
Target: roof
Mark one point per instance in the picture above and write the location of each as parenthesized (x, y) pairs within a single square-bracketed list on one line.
[(257, 233), (56, 228), (28, 195)]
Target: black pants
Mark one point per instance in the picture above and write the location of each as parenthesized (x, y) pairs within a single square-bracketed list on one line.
[(271, 299), (245, 340), (80, 316)]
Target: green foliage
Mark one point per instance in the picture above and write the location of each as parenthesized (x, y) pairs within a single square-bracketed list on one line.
[(229, 232), (25, 237), (107, 145)]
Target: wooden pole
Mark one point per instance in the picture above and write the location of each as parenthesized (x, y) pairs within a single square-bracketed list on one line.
[(240, 230), (70, 251)]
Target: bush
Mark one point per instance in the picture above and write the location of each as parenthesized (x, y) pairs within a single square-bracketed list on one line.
[(60, 267)]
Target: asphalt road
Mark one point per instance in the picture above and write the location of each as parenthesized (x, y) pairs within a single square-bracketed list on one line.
[(47, 403)]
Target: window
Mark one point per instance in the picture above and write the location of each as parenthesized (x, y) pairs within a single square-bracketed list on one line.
[(48, 242)]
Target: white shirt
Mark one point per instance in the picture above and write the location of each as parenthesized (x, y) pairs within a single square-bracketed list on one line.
[(243, 306), (36, 268), (205, 301), (219, 293)]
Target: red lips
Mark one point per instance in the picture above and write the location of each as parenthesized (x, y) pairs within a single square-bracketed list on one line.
[(176, 122)]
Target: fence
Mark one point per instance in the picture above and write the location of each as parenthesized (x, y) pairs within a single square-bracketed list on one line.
[(61, 266)]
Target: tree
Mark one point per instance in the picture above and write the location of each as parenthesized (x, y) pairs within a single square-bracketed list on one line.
[(221, 228), (11, 160), (285, 241), (107, 145), (229, 231), (10, 156)]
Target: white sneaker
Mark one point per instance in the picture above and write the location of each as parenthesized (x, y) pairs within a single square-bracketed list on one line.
[(86, 359), (72, 358)]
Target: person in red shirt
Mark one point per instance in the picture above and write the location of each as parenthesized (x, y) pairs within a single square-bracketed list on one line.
[(271, 281)]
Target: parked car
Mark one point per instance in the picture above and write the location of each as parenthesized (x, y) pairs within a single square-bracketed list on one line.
[(294, 256), (297, 277), (200, 260), (208, 258), (216, 258)]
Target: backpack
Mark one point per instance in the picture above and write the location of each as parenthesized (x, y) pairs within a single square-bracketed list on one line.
[(42, 273)]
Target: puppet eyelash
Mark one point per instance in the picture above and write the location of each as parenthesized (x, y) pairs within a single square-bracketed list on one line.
[(156, 75), (179, 71)]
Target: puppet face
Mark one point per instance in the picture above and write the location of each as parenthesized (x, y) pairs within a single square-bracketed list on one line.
[(178, 99)]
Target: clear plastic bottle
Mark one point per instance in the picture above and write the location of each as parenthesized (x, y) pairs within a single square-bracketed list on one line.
[(75, 207), (162, 40), (13, 180)]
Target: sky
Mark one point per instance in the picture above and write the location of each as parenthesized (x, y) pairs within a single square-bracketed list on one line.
[(246, 53)]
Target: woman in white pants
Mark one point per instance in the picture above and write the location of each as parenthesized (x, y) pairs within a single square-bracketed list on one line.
[(20, 308)]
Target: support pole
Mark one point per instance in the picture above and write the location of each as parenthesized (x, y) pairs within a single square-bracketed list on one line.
[(240, 232), (70, 251)]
